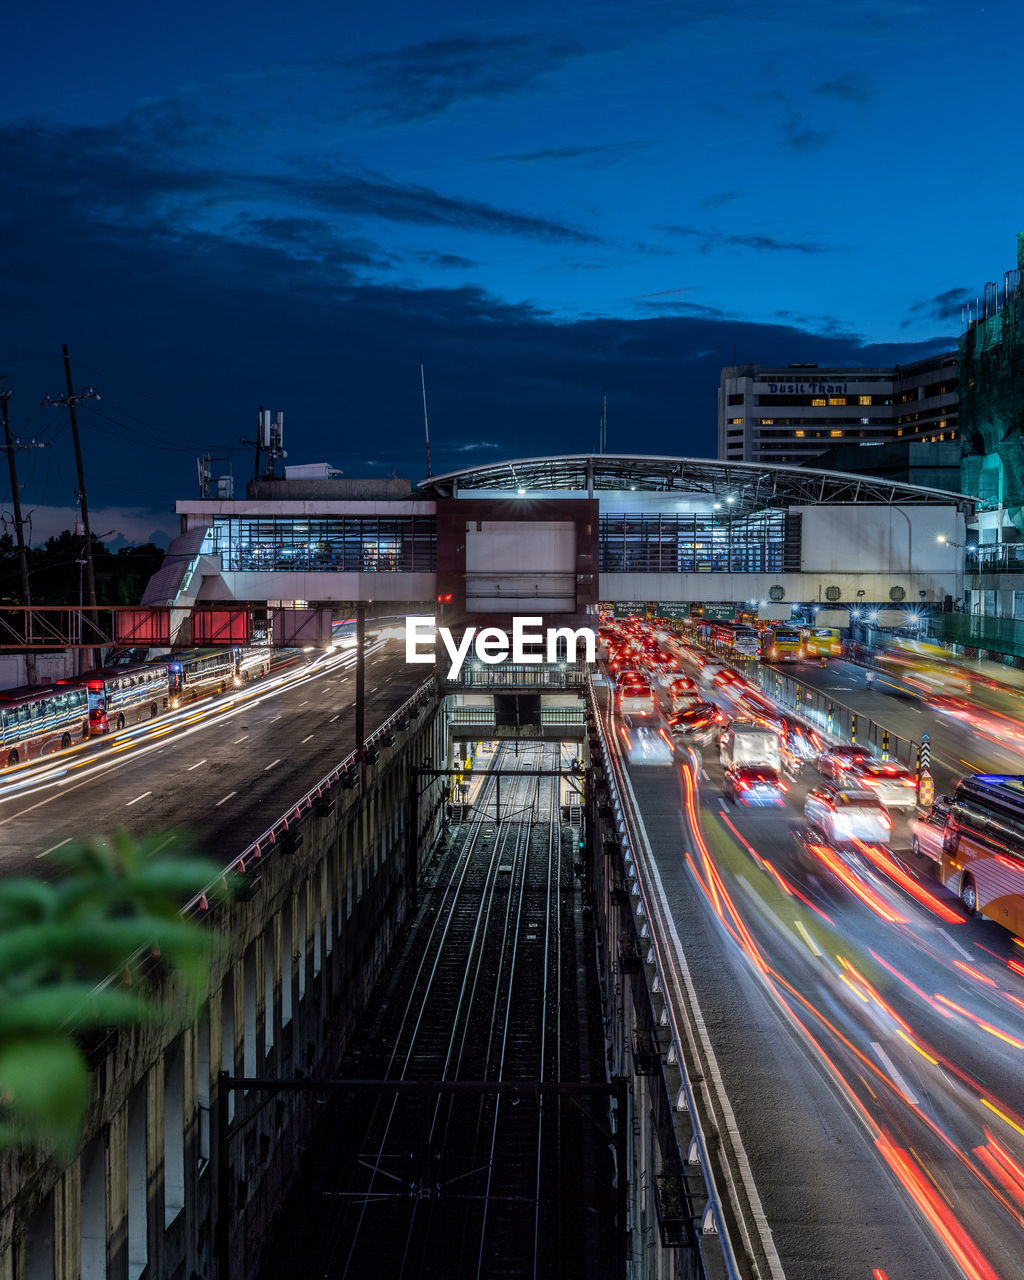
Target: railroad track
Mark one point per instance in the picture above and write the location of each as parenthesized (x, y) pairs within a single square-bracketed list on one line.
[(485, 989)]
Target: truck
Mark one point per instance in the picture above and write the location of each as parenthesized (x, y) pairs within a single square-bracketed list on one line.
[(746, 742)]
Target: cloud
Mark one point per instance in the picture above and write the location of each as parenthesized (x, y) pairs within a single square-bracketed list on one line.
[(133, 174), (944, 306), (429, 78), (665, 293), (796, 131), (712, 240), (716, 199), (130, 525), (849, 87), (607, 151)]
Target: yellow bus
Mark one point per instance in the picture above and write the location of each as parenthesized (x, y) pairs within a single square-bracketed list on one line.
[(822, 640)]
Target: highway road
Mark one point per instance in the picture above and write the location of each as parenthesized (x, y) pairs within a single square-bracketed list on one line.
[(870, 1041), (218, 771)]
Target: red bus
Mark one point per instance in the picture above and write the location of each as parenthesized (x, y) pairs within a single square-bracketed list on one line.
[(36, 722), (120, 696)]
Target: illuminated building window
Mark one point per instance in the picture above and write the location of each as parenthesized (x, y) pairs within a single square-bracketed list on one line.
[(833, 434), (819, 400), (736, 422), (767, 422), (942, 422), (900, 431), (863, 399), (837, 399), (799, 434)]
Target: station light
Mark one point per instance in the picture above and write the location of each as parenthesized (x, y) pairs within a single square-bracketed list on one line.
[(521, 492), (731, 498), (718, 506)]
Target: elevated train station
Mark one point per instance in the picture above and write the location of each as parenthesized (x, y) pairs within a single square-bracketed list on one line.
[(556, 535)]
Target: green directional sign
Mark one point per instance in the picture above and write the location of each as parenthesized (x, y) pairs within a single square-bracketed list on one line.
[(672, 609), (629, 608), (720, 612)]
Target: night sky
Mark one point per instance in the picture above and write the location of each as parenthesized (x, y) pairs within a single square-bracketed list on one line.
[(219, 206)]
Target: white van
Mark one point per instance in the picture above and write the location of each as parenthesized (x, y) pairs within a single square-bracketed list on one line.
[(745, 742)]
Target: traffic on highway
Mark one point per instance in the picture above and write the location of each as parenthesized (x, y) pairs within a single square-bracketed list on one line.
[(866, 945)]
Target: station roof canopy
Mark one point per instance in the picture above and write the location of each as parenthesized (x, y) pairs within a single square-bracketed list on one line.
[(747, 486)]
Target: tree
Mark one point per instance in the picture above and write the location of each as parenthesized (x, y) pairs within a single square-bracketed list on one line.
[(72, 954)]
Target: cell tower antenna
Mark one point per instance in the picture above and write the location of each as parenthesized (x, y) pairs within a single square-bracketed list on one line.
[(426, 422)]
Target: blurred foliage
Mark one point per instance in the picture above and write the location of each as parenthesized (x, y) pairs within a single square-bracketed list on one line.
[(56, 570), (72, 956)]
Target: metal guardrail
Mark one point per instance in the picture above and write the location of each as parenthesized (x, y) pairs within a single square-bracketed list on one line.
[(716, 1228), (548, 715), (519, 676), (835, 719)]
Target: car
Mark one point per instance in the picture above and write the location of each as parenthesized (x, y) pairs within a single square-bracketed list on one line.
[(698, 720), (646, 740), (843, 814), (711, 669), (895, 786), (753, 784), (681, 690), (928, 831), (628, 675), (834, 762), (727, 678), (635, 697)]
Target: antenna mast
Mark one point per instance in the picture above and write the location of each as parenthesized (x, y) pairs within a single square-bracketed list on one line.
[(604, 424), (426, 424)]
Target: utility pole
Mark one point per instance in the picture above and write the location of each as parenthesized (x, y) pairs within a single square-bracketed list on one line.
[(19, 523), (71, 400)]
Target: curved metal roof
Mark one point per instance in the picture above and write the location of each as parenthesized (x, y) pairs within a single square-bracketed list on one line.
[(751, 485)]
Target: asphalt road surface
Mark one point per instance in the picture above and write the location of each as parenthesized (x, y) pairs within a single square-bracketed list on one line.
[(870, 1037), (220, 770)]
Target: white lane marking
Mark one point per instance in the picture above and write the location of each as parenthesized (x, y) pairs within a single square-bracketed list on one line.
[(129, 804), (241, 739), (303, 703), (332, 719), (705, 775), (53, 847), (226, 799), (800, 928), (272, 763), (895, 1076), (306, 738), (277, 717), (956, 945), (196, 765), (682, 969)]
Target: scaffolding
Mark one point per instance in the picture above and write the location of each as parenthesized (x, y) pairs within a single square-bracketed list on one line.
[(992, 394)]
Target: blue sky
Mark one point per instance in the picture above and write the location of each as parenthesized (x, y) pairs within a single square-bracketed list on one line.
[(218, 207)]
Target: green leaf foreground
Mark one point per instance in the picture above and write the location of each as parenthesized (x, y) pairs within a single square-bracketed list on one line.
[(71, 953)]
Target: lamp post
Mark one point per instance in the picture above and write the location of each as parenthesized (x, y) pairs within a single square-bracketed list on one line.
[(958, 569)]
